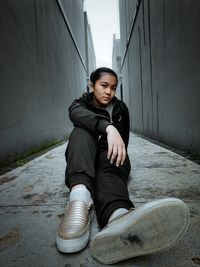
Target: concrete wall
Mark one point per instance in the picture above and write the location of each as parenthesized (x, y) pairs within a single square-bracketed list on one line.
[(160, 69), (116, 64), (116, 55), (90, 53), (43, 68)]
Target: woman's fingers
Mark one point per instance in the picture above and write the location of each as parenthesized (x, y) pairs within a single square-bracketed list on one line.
[(123, 156), (110, 148), (114, 154), (116, 147), (118, 153), (119, 156)]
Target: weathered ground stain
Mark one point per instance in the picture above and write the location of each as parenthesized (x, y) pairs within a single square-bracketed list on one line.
[(175, 172), (49, 213), (49, 157), (161, 153), (155, 166), (36, 199), (28, 188), (60, 215), (195, 171), (45, 211), (196, 260), (193, 213), (6, 179), (191, 192), (30, 196), (65, 194), (53, 245), (10, 239), (35, 211)]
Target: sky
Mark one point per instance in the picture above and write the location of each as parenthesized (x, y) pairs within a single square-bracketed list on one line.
[(103, 17)]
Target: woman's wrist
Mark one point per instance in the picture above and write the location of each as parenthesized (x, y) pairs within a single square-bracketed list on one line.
[(109, 127)]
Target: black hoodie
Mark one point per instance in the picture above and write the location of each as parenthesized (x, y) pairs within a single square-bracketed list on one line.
[(84, 114)]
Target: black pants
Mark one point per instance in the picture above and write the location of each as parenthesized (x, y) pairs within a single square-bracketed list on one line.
[(87, 164)]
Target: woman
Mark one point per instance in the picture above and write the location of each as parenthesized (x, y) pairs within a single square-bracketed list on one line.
[(97, 170)]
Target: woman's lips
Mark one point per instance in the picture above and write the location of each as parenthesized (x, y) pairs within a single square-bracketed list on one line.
[(106, 98)]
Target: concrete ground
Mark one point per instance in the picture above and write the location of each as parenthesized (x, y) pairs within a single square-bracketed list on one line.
[(33, 198)]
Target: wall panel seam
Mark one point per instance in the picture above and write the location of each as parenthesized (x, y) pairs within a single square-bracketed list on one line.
[(131, 31), (71, 32)]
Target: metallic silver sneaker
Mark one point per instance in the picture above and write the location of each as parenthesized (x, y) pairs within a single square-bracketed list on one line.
[(74, 229), (154, 227)]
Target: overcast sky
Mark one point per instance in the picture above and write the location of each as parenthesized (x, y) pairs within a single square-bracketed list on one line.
[(103, 16)]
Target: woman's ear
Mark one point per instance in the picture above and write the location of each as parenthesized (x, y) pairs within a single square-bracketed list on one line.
[(91, 87)]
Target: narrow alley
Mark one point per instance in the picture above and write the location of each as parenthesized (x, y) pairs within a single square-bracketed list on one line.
[(47, 54), (33, 199)]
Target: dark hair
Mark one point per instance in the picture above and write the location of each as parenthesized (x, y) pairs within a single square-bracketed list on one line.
[(96, 75)]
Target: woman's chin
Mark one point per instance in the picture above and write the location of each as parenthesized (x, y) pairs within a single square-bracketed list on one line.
[(104, 103)]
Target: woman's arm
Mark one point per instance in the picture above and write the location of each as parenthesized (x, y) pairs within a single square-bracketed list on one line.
[(118, 141), (82, 117)]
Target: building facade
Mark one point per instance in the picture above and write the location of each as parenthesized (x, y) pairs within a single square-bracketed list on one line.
[(44, 65), (160, 67)]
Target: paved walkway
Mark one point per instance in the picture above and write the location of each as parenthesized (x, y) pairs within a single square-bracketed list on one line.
[(33, 197)]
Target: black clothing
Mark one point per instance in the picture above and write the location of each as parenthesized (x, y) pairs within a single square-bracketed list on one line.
[(86, 155), (84, 114)]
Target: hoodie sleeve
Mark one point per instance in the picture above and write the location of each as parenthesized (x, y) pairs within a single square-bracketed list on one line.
[(82, 117)]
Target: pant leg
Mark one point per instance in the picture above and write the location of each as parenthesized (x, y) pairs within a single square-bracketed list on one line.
[(110, 187), (80, 157)]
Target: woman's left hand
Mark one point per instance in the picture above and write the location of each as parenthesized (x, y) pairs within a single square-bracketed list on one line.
[(116, 146)]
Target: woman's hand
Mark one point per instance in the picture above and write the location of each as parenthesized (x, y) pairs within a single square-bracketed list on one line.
[(116, 147)]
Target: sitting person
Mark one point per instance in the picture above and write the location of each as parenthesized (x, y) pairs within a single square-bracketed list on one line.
[(97, 170)]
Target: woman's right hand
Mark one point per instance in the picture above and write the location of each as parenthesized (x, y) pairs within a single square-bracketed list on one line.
[(116, 146)]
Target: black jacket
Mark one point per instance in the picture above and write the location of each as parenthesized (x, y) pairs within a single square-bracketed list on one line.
[(84, 114)]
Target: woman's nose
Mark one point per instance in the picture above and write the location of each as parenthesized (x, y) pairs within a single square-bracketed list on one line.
[(108, 91)]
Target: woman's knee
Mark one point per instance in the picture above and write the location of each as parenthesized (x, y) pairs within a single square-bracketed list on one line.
[(79, 135), (82, 142)]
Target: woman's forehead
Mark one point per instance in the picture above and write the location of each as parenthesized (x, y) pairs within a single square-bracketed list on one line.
[(107, 77)]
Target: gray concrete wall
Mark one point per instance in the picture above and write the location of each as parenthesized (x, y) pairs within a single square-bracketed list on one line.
[(42, 70), (116, 55), (116, 64), (160, 69), (75, 16), (90, 53)]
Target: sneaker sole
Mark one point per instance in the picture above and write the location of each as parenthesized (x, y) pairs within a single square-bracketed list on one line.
[(76, 244), (72, 245), (155, 227)]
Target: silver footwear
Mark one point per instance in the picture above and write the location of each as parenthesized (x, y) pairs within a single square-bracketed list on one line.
[(74, 229), (154, 227)]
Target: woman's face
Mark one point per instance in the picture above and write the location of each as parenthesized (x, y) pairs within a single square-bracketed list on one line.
[(104, 89)]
